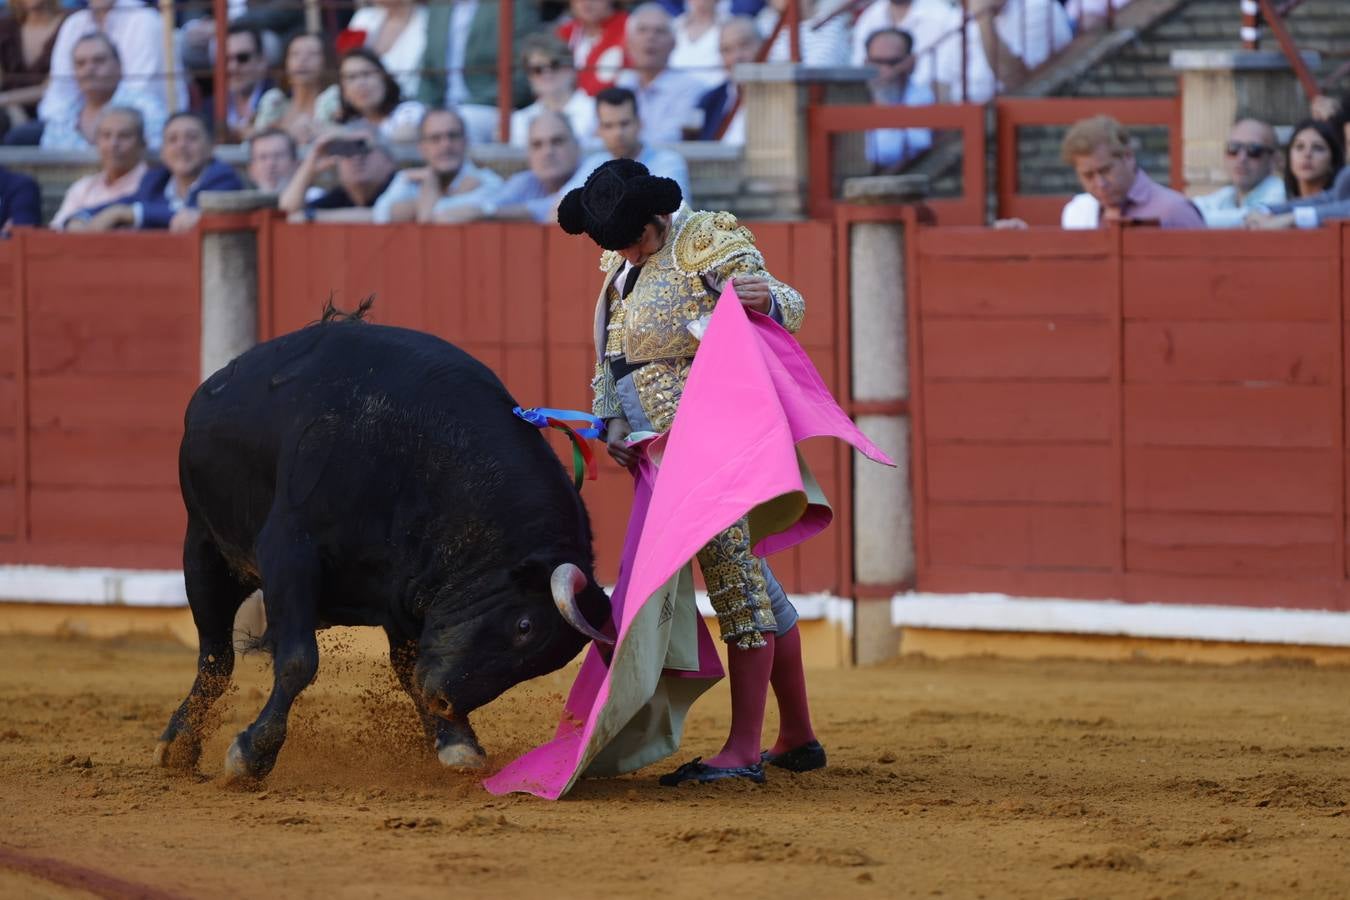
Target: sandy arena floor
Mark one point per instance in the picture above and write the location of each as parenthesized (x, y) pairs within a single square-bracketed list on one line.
[(973, 778)]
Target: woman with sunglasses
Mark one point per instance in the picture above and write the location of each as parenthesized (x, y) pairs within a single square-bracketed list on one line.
[(1250, 160), (370, 95), (553, 82), (306, 102)]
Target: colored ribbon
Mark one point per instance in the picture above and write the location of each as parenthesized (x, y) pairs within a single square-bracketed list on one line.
[(583, 460)]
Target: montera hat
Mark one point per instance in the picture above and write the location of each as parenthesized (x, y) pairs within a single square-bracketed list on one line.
[(617, 201)]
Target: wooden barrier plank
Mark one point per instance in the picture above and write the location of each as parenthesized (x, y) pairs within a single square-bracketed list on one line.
[(813, 274), (1037, 473), (523, 290), (1014, 287), (395, 277), (9, 401), (120, 457), (1046, 583), (1229, 480), (1029, 536), (1236, 545), (1218, 352), (110, 344), (1211, 590), (523, 373), (144, 515), (121, 401), (1248, 288), (9, 348), (1035, 243), (442, 269), (570, 368), (9, 457), (1229, 416), (9, 514), (1016, 411), (1019, 348), (816, 563), (1220, 247), (484, 285)]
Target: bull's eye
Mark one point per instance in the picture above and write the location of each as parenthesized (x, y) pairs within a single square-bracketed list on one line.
[(524, 626)]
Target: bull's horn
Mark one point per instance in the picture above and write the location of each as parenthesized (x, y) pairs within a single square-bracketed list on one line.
[(567, 580)]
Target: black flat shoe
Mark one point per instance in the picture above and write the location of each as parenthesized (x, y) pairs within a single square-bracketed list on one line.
[(699, 773), (806, 758)]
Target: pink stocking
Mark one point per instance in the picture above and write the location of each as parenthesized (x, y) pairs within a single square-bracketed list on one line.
[(749, 670), (789, 688)]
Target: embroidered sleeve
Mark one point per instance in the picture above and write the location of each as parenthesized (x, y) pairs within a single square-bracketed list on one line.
[(717, 245), (606, 397)]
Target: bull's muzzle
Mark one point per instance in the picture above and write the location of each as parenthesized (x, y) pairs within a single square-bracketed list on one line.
[(568, 581)]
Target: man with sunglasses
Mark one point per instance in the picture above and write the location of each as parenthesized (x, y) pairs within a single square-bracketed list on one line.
[(246, 66), (889, 150), (1250, 161)]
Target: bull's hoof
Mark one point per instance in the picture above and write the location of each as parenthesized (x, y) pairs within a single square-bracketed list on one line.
[(241, 764), (461, 756), (180, 753)]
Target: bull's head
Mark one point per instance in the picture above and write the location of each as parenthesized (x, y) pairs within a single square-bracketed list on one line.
[(523, 623)]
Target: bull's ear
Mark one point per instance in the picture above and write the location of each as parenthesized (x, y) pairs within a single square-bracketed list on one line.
[(534, 571)]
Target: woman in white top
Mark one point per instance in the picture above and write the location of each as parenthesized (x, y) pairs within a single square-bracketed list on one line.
[(696, 40), (370, 94), (826, 45), (553, 82), (397, 31)]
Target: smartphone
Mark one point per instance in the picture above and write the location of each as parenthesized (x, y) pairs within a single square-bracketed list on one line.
[(347, 147)]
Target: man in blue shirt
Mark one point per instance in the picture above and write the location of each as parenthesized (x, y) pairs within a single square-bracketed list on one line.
[(20, 201), (531, 195), (889, 150), (620, 129)]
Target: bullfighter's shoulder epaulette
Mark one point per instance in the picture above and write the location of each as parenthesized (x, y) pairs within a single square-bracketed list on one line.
[(609, 261), (708, 240)]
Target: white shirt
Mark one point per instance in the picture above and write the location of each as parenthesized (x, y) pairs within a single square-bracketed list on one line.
[(404, 59), (932, 23), (135, 30), (580, 113), (461, 17), (701, 56), (1221, 209), (667, 105), (1032, 29), (826, 46)]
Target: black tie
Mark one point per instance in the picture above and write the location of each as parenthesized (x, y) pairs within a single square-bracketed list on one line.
[(629, 281)]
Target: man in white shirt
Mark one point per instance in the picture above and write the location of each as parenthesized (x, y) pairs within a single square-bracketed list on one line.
[(1249, 160), (620, 130), (667, 100), (1003, 45), (449, 179), (931, 24), (98, 85)]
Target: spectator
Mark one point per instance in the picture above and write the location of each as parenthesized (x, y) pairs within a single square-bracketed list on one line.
[(1005, 41), (460, 63), (365, 168), (889, 150), (98, 73), (553, 81), (272, 160), (1116, 188), (931, 24), (697, 47), (620, 130), (120, 139), (134, 29), (20, 201), (447, 180), (167, 195), (667, 101), (370, 96), (397, 31), (596, 35), (273, 19), (27, 35), (1249, 160), (247, 81), (1085, 15), (307, 101), (822, 38), (738, 42), (1314, 156), (532, 195)]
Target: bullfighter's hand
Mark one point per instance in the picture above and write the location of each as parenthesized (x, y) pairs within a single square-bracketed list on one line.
[(754, 292), (616, 432)]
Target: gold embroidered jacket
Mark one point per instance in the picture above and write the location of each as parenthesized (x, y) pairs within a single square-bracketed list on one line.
[(678, 285)]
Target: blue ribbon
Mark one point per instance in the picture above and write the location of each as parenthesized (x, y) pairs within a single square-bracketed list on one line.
[(538, 416)]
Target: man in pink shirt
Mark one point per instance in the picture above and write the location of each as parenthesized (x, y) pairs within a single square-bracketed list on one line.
[(1115, 186), (119, 137)]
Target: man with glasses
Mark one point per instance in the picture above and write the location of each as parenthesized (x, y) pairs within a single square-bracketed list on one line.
[(1249, 161), (246, 65), (365, 171), (448, 179), (889, 150), (531, 195)]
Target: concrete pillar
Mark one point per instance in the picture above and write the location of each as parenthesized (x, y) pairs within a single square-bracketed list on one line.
[(229, 278), (230, 319), (776, 99), (1219, 85), (883, 520)]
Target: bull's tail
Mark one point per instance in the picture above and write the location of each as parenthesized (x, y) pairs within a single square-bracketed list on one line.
[(332, 313)]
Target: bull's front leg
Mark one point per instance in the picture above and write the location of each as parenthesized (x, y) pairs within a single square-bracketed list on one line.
[(291, 577), (452, 737)]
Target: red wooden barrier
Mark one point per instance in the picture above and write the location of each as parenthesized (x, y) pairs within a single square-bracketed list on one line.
[(1136, 414), (99, 338), (521, 298)]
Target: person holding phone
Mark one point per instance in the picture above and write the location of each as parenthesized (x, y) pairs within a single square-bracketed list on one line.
[(365, 168)]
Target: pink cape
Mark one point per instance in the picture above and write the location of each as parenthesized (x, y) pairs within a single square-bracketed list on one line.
[(751, 397)]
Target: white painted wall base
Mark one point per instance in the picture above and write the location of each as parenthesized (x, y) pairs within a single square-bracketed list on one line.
[(103, 587), (999, 612)]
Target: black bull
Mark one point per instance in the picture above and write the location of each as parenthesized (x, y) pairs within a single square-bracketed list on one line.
[(367, 475)]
